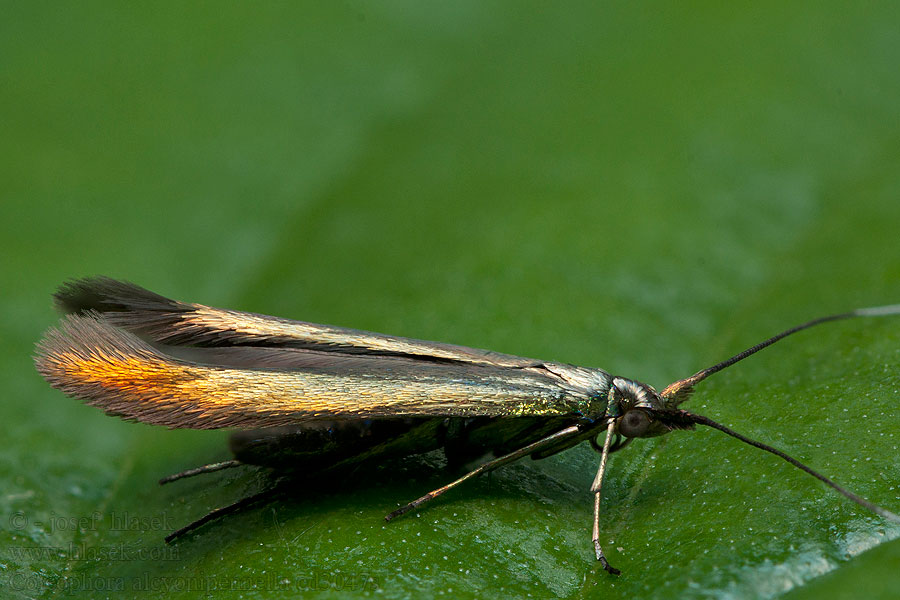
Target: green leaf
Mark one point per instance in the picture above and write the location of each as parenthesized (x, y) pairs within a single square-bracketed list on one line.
[(645, 188)]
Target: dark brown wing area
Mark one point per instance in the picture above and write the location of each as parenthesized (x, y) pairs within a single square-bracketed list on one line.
[(178, 323)]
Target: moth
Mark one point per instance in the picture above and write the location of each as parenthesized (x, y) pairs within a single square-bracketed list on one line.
[(303, 396)]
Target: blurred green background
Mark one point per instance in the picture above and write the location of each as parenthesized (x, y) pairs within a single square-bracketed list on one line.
[(642, 187)]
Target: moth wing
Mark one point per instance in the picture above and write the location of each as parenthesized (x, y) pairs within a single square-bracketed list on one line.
[(179, 323), (89, 358)]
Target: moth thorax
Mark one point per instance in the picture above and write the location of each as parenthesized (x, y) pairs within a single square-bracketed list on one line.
[(633, 394)]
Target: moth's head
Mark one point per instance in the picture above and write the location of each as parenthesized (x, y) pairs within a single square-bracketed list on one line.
[(640, 410)]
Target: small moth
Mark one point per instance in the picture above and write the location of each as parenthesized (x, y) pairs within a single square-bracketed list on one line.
[(315, 397)]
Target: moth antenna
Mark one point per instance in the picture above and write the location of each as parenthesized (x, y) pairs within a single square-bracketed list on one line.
[(680, 390), (701, 420)]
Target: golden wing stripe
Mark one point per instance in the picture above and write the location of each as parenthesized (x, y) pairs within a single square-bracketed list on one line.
[(179, 323), (90, 359)]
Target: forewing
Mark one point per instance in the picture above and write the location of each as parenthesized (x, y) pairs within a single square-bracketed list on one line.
[(207, 388), (179, 323)]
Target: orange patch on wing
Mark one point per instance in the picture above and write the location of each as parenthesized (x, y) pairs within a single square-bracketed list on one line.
[(127, 374)]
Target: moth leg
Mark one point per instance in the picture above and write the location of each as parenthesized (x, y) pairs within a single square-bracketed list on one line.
[(489, 466), (200, 470), (595, 488), (221, 512), (565, 445), (619, 443)]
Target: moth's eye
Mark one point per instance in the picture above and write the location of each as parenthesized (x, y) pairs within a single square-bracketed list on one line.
[(634, 423)]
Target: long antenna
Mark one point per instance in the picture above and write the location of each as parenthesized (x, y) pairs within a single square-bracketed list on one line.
[(701, 420), (681, 389)]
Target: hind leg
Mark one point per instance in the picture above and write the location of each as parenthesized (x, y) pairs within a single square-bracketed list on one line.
[(200, 470), (221, 512)]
